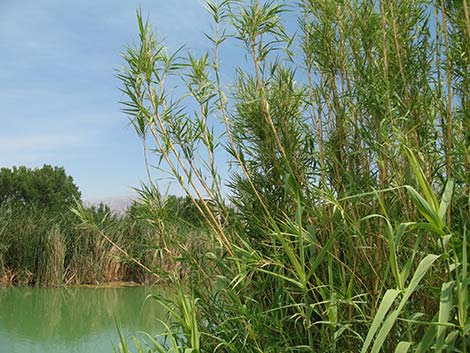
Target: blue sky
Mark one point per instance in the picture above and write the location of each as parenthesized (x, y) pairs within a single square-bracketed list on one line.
[(59, 94)]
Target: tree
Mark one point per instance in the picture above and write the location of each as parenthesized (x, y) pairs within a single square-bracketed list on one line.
[(48, 187)]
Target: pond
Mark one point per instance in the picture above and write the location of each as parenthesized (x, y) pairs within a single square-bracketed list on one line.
[(73, 320)]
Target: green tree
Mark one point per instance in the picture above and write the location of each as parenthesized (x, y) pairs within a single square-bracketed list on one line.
[(47, 187)]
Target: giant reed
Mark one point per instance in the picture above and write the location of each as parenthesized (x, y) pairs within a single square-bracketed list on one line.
[(349, 190)]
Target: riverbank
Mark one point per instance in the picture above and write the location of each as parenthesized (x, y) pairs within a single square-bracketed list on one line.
[(111, 284)]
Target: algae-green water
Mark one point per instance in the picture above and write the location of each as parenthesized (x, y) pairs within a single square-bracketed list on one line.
[(73, 320)]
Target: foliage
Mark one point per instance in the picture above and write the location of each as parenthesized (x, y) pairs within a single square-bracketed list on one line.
[(348, 146), (170, 208), (44, 247), (47, 187)]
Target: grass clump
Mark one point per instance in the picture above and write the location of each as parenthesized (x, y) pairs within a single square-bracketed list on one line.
[(345, 225)]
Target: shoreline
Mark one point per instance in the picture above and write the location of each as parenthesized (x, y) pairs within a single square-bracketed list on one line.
[(111, 284)]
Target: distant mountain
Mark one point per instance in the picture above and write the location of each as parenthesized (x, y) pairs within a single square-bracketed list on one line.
[(117, 204)]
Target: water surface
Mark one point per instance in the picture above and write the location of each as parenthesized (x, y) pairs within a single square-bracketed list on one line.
[(73, 320)]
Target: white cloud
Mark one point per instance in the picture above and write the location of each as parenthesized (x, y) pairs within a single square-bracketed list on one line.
[(15, 144), (39, 149), (27, 149)]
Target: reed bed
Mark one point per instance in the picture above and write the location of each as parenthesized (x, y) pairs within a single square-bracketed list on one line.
[(346, 221), (43, 247)]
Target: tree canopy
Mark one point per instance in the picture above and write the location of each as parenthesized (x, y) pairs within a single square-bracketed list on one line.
[(47, 187)]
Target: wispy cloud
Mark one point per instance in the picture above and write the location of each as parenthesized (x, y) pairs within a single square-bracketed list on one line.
[(36, 150), (16, 144), (59, 94)]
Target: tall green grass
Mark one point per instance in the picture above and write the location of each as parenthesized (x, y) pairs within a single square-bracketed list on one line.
[(50, 248), (349, 186)]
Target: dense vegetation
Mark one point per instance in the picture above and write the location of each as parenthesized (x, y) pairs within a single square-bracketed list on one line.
[(343, 225), (349, 194), (43, 244), (46, 187)]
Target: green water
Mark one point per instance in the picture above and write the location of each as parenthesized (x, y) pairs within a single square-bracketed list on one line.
[(73, 320)]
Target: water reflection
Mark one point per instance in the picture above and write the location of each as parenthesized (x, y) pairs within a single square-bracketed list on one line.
[(48, 320)]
